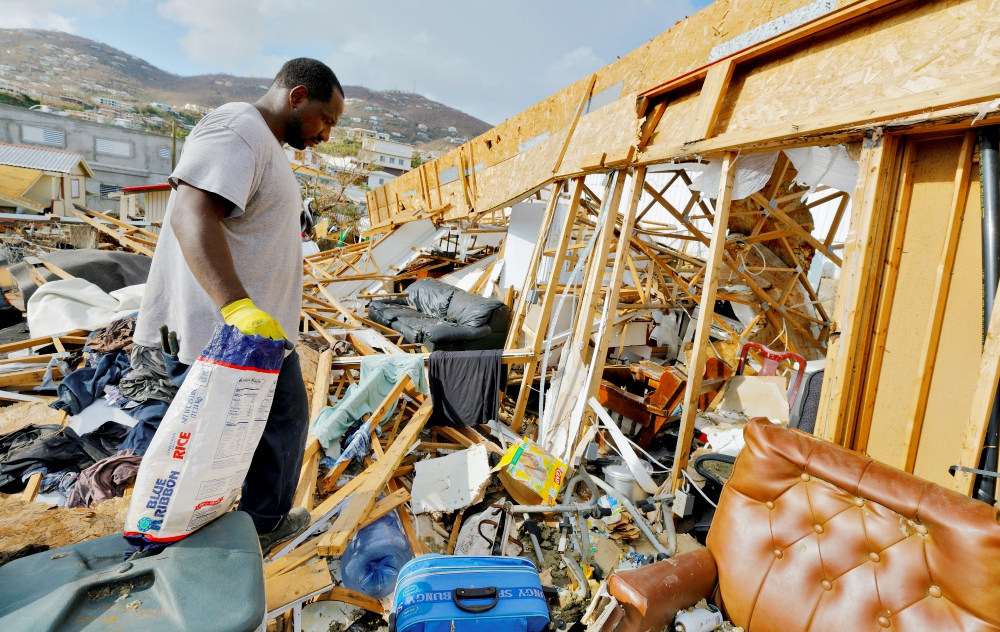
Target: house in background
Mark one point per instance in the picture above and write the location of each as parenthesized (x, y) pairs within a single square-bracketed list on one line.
[(390, 156), (41, 180), (151, 198)]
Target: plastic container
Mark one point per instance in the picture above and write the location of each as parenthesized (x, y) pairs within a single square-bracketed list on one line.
[(372, 560), (621, 478), (698, 620)]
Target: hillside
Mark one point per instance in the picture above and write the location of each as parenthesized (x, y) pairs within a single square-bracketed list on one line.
[(60, 64)]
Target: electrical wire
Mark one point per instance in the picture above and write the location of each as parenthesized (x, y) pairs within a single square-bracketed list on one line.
[(698, 489)]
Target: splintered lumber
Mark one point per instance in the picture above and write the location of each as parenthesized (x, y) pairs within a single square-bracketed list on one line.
[(296, 586), (307, 551), (31, 489), (119, 237), (321, 385), (353, 515), (346, 595), (390, 400)]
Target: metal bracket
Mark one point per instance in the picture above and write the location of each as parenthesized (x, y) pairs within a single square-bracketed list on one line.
[(971, 470)]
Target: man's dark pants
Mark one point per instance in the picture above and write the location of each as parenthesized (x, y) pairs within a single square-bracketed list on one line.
[(274, 471)]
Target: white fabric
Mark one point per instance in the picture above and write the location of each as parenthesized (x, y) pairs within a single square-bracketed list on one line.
[(752, 173), (70, 304), (824, 165)]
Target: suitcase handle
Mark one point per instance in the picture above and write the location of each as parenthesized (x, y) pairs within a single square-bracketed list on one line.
[(475, 593)]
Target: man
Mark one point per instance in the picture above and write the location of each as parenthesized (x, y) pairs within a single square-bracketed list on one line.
[(230, 251)]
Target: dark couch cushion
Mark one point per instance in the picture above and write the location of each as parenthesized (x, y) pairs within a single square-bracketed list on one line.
[(413, 327), (471, 310), (431, 297), (385, 313), (450, 332)]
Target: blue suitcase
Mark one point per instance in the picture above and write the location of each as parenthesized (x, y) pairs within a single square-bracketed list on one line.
[(447, 593)]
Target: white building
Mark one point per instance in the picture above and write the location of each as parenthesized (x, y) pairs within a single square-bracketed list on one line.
[(114, 104), (390, 156), (378, 178)]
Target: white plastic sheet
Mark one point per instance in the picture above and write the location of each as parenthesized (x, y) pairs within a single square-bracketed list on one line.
[(70, 304), (752, 173), (824, 165)]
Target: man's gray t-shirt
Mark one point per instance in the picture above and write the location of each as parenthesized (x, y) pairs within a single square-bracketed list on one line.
[(232, 153)]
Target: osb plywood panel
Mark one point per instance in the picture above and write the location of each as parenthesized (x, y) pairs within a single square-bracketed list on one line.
[(957, 365), (933, 186), (915, 49), (675, 125), (23, 523)]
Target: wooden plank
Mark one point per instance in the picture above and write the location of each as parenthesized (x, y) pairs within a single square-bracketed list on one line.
[(296, 585), (873, 370), (798, 230), (352, 322), (649, 127), (615, 280), (875, 173), (386, 505), (31, 489), (974, 436), (520, 309), (939, 300), (455, 528), (306, 490), (713, 91), (545, 308), (343, 529), (576, 119), (321, 384), (346, 595), (120, 238), (699, 353), (592, 161)]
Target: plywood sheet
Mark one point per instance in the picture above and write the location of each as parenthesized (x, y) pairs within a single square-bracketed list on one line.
[(957, 365), (921, 47), (933, 186)]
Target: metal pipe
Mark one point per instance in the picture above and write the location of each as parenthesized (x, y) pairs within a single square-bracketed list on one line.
[(639, 520), (989, 178)]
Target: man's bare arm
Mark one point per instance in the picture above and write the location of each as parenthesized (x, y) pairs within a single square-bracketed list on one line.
[(196, 220)]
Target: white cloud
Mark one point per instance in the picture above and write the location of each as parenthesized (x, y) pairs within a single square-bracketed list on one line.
[(21, 14)]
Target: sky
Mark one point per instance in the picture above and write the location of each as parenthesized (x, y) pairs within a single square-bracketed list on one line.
[(489, 59)]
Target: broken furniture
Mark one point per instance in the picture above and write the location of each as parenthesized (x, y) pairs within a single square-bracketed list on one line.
[(648, 394), (88, 584), (770, 362), (444, 318), (809, 535)]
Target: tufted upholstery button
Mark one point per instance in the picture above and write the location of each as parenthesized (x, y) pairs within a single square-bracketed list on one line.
[(934, 591), (769, 505), (818, 528), (921, 529), (874, 557), (860, 502), (827, 585), (883, 622), (805, 477), (778, 554)]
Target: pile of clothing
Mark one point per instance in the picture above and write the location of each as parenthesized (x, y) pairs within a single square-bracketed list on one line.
[(128, 375), (85, 468), (93, 467)]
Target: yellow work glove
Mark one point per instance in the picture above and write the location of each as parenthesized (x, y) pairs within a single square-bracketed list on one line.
[(246, 317)]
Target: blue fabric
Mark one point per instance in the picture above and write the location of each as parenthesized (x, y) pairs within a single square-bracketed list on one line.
[(230, 346), (148, 416), (379, 373), (83, 387)]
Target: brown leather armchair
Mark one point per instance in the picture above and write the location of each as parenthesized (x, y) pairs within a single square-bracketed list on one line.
[(810, 536)]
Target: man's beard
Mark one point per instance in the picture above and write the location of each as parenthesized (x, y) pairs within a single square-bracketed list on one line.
[(293, 133)]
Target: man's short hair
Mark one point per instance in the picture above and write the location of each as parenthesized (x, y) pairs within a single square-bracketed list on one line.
[(311, 73)]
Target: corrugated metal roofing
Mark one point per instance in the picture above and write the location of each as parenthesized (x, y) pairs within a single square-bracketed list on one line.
[(37, 158)]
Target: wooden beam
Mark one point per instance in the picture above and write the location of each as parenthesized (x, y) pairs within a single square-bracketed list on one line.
[(120, 238), (901, 212), (576, 119), (798, 230), (876, 172), (335, 540), (982, 405), (699, 352), (296, 585), (545, 308), (521, 307), (649, 127), (321, 384), (713, 91), (939, 301), (346, 595)]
